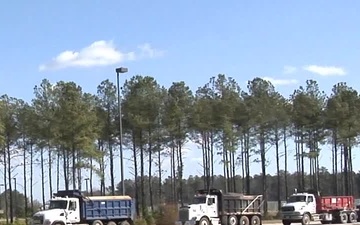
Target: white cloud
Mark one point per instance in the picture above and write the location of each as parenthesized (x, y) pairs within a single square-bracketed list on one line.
[(149, 52), (325, 70), (99, 53), (289, 69), (278, 82)]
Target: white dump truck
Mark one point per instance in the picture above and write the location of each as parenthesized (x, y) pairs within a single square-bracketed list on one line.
[(71, 207), (306, 206), (214, 207)]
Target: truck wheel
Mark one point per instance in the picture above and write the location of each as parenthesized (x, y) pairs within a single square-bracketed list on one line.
[(343, 218), (285, 222), (255, 220), (305, 220), (97, 222), (204, 221), (111, 223), (232, 220), (352, 217), (125, 222), (244, 220)]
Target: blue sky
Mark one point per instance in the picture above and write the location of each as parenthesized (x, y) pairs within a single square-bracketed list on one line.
[(286, 42)]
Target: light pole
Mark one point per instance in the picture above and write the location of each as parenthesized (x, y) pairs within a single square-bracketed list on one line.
[(118, 71), (87, 185)]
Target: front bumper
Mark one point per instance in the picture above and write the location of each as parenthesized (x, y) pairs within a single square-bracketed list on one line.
[(188, 222), (292, 216)]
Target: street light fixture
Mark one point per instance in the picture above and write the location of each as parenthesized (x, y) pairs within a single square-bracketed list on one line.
[(87, 185), (118, 71)]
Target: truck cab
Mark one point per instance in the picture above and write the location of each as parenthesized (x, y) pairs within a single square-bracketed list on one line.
[(61, 210), (300, 207), (203, 205)]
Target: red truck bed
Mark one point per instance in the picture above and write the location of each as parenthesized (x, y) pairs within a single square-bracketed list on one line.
[(328, 203)]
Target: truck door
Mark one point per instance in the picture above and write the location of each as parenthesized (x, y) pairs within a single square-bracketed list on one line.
[(212, 207), (74, 212), (311, 204)]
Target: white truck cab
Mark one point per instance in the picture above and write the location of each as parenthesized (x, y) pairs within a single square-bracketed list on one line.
[(203, 206), (61, 211), (300, 207)]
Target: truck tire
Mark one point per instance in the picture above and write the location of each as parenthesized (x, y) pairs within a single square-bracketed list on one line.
[(352, 217), (111, 223), (255, 220), (244, 220), (97, 222), (343, 217), (285, 222), (58, 223), (305, 220), (204, 221), (232, 220)]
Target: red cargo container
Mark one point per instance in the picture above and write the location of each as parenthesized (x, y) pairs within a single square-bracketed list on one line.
[(331, 203)]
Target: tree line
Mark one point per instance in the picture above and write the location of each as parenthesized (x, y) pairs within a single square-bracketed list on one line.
[(71, 133)]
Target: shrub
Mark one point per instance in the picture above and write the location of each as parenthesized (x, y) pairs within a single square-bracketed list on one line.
[(166, 215), (140, 221)]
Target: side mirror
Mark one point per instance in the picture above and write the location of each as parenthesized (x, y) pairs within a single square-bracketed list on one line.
[(209, 203)]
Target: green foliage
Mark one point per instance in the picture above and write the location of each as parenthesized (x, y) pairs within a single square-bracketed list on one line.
[(79, 132), (18, 203), (140, 221)]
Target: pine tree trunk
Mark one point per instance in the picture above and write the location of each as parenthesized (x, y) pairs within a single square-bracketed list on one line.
[(135, 174), (142, 174), (42, 176), (181, 169), (346, 166), (50, 171), (5, 186), (25, 189), (335, 163), (278, 169), (150, 173), (58, 171), (91, 176), (11, 206), (73, 171), (32, 178), (160, 176), (263, 170), (286, 164), (112, 179), (65, 167), (302, 163)]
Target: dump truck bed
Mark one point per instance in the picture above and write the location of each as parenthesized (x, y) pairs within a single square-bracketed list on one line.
[(108, 207), (331, 203), (235, 203)]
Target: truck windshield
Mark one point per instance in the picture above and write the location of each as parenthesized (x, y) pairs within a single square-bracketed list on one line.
[(199, 200), (58, 204), (297, 198)]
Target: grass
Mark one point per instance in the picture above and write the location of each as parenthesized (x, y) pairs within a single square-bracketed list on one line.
[(271, 221)]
